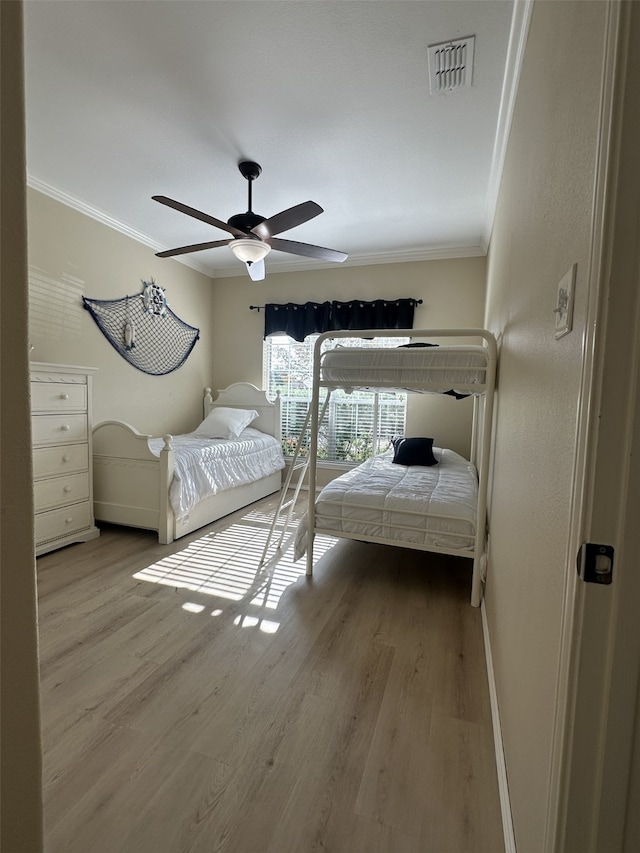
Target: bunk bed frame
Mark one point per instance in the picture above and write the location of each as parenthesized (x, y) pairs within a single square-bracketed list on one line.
[(421, 381)]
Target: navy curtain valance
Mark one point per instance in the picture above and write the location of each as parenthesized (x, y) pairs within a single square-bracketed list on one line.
[(312, 318)]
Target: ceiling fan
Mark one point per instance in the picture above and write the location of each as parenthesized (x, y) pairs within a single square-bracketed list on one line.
[(254, 235)]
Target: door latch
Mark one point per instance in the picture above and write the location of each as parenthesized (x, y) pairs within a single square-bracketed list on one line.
[(595, 563)]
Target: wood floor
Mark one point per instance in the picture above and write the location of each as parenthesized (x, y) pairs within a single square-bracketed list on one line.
[(192, 704)]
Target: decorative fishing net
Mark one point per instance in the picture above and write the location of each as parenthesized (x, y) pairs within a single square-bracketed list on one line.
[(144, 330)]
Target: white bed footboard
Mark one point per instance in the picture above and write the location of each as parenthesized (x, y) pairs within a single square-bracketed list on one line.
[(131, 484)]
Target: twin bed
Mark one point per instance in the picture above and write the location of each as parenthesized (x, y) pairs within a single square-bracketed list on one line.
[(439, 504), (177, 485)]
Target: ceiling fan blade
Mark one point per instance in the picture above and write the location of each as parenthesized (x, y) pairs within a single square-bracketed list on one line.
[(306, 249), (256, 270), (195, 247), (287, 219), (198, 214)]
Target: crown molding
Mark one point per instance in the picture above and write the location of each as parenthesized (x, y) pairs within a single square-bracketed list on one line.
[(441, 253), (522, 10), (94, 213), (90, 210)]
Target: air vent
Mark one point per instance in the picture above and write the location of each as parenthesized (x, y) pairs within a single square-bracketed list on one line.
[(451, 65)]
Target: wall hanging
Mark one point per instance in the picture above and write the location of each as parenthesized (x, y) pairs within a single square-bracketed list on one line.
[(144, 330)]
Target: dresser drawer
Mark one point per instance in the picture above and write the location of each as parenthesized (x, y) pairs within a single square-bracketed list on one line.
[(62, 522), (54, 429), (57, 397), (57, 461), (48, 494)]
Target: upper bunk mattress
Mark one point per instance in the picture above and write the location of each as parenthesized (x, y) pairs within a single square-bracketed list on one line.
[(429, 506), (435, 368), (206, 466)]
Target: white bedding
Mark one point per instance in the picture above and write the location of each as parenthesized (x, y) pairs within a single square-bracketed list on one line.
[(205, 466), (407, 368), (427, 506)]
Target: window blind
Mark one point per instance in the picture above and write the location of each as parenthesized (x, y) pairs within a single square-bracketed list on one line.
[(356, 426)]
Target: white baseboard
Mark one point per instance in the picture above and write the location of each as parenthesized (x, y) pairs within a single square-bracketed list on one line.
[(501, 767)]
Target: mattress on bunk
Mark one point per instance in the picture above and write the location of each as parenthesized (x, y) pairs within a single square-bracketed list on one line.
[(204, 466), (426, 506), (406, 368)]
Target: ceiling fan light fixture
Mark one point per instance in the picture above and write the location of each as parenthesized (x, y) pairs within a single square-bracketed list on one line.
[(248, 250)]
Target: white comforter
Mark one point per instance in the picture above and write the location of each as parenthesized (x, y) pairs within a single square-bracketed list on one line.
[(205, 466), (431, 506), (406, 368)]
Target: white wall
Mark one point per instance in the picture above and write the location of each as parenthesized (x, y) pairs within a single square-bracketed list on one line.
[(542, 227), (72, 255), (453, 296)]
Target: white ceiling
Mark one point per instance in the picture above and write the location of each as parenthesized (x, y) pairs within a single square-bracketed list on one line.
[(126, 100)]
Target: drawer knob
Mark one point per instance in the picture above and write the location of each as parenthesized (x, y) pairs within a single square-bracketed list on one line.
[(64, 396), (65, 427), (66, 458), (68, 520), (67, 488)]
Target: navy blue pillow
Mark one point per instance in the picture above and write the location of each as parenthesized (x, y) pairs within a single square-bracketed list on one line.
[(413, 451)]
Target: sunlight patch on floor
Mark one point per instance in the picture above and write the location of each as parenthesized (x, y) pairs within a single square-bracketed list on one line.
[(192, 607), (226, 564)]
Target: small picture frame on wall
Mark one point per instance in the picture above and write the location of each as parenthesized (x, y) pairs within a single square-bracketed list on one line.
[(564, 306)]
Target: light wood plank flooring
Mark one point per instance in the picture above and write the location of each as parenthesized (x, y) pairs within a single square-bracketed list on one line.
[(191, 703)]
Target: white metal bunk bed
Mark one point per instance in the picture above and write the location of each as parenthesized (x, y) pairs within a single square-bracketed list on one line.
[(467, 369)]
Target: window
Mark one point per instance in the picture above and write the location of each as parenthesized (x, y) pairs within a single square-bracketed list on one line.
[(356, 426)]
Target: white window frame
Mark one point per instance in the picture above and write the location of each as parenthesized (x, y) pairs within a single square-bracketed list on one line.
[(334, 450)]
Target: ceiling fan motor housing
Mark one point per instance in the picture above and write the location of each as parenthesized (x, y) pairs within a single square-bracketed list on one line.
[(246, 221)]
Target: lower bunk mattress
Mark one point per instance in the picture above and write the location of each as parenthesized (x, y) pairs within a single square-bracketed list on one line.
[(205, 467), (426, 507)]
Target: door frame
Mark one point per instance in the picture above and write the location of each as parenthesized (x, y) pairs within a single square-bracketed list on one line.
[(600, 647)]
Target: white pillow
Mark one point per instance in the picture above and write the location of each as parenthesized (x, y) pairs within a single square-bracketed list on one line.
[(222, 422)]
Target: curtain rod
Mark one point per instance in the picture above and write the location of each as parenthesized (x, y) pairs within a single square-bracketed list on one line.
[(258, 308)]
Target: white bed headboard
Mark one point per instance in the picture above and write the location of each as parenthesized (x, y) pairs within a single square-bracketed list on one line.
[(244, 395)]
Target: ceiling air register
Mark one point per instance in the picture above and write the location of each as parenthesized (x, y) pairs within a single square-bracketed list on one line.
[(451, 65)]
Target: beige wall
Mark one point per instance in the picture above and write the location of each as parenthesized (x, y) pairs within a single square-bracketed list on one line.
[(21, 790), (542, 227), (72, 255), (453, 296)]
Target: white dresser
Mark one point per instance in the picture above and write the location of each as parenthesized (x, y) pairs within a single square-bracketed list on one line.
[(62, 465)]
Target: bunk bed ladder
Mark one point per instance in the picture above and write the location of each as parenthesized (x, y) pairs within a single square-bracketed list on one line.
[(298, 465)]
